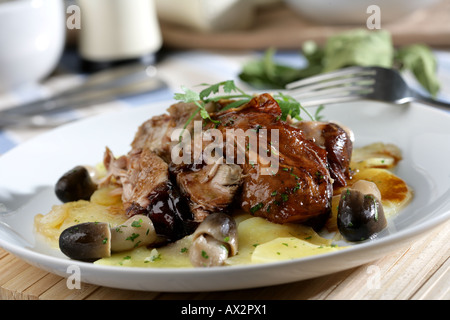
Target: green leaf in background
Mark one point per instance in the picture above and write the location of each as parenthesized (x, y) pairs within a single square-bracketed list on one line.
[(358, 48), (420, 60), (265, 73)]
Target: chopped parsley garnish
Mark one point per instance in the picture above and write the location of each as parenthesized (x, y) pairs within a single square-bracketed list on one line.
[(257, 207), (136, 224), (132, 237)]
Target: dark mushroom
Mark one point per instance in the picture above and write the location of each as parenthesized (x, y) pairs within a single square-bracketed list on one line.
[(87, 241), (91, 241), (74, 185), (214, 241), (360, 212)]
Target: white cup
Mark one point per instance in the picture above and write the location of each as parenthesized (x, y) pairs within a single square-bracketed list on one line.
[(32, 38), (113, 30)]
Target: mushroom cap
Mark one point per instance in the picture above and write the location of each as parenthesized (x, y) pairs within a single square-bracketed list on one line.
[(360, 216), (367, 187), (214, 240), (206, 251), (221, 227), (87, 241), (76, 184)]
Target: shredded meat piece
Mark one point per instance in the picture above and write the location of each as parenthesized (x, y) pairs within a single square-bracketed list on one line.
[(336, 142), (210, 189), (156, 133), (145, 173), (147, 189), (116, 168)]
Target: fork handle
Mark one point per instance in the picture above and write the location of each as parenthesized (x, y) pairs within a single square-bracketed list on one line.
[(432, 102)]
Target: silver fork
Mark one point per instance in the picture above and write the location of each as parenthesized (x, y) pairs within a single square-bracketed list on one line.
[(357, 83)]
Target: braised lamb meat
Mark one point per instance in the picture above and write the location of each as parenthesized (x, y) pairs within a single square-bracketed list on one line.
[(146, 189), (301, 188), (336, 142), (210, 189), (311, 158)]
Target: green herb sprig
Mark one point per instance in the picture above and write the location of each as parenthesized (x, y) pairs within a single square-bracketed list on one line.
[(288, 105)]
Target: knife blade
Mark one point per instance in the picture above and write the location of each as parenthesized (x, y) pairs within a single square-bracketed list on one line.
[(100, 87)]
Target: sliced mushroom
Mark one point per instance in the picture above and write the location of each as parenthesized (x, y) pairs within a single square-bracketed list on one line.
[(91, 241), (214, 240), (360, 212), (74, 185)]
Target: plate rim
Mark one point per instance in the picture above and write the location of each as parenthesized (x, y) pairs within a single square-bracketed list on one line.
[(402, 235)]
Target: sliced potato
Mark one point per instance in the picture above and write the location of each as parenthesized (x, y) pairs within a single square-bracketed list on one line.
[(175, 255), (255, 231), (288, 248), (395, 193), (101, 208), (375, 155)]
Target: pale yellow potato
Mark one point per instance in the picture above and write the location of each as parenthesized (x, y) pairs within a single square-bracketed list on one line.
[(280, 249), (102, 208), (175, 255), (255, 231), (375, 155), (395, 193)]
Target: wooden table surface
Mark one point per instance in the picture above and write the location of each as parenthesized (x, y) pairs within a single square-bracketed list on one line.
[(420, 271)]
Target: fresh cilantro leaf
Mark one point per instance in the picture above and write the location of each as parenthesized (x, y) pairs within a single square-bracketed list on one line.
[(290, 106), (289, 109), (187, 96), (317, 115), (229, 86)]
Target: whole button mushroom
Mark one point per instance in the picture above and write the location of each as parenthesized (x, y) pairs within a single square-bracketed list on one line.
[(76, 184), (214, 241), (91, 241), (360, 212)]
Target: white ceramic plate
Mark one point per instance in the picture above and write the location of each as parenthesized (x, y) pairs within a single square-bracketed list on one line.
[(28, 174)]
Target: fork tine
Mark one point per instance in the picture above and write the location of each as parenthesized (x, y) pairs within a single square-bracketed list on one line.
[(330, 100), (338, 83), (353, 90), (356, 71)]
